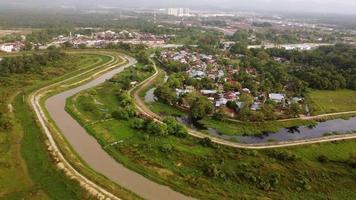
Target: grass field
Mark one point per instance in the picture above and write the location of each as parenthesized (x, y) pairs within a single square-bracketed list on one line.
[(252, 128), (26, 170), (217, 172), (323, 102)]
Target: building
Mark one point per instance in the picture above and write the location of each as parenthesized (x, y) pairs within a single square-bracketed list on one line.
[(278, 98), (10, 47), (178, 12)]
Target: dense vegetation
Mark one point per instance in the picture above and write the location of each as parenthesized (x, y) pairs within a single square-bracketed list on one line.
[(33, 63), (329, 67)]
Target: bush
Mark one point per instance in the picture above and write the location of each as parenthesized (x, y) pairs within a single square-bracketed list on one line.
[(155, 128), (124, 113), (206, 142), (282, 155), (323, 159), (166, 148), (5, 124), (137, 123), (174, 128), (120, 114)]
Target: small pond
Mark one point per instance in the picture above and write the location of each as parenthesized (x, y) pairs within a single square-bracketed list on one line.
[(336, 126)]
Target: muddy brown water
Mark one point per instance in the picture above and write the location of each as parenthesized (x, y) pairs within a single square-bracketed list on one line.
[(92, 153)]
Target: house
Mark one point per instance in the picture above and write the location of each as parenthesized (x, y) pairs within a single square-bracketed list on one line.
[(256, 106), (196, 73), (208, 92), (276, 97), (296, 100), (10, 47), (246, 90), (221, 102), (230, 96), (180, 92)]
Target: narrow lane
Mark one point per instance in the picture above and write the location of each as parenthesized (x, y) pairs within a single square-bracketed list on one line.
[(93, 154)]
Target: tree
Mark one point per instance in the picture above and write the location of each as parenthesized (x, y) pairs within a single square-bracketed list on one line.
[(294, 110), (232, 86), (174, 128), (155, 128), (268, 111), (247, 99), (201, 108), (206, 142), (166, 94), (137, 123)]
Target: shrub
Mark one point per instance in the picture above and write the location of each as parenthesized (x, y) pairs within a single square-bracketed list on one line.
[(174, 128), (155, 128), (166, 148), (137, 123), (120, 114), (323, 159), (206, 142), (282, 155)]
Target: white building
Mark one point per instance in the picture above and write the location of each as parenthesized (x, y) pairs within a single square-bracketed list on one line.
[(9, 48), (178, 12), (278, 98)]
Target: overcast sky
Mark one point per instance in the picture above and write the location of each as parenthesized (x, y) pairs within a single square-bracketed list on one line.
[(320, 6)]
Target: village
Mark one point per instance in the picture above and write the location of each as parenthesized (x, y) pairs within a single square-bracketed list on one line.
[(102, 39), (99, 39), (227, 94)]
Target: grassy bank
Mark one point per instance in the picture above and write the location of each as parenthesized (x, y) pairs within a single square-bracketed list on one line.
[(26, 170), (252, 128), (323, 101)]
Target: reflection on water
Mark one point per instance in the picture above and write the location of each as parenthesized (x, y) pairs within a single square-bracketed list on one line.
[(339, 126), (150, 97)]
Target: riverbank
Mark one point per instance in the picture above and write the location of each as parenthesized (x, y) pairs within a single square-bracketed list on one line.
[(67, 158), (29, 171)]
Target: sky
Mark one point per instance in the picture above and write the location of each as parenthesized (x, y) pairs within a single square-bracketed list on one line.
[(318, 6)]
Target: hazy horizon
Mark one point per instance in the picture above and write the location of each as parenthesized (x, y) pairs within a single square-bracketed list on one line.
[(311, 6)]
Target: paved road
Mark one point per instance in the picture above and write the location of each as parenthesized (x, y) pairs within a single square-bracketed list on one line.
[(93, 154), (141, 106)]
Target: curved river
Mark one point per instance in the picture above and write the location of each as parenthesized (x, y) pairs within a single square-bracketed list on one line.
[(93, 154)]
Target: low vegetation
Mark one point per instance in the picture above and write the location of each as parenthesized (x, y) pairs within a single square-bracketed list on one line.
[(325, 101), (26, 169)]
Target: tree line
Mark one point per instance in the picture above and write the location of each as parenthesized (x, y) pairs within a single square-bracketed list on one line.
[(30, 62)]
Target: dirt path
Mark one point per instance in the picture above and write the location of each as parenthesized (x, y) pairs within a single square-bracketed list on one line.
[(142, 107)]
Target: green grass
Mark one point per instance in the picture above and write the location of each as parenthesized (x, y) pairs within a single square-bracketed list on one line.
[(323, 101), (164, 109), (237, 173), (41, 167), (26, 170), (251, 128)]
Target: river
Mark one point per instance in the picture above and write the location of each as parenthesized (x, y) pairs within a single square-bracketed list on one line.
[(92, 153)]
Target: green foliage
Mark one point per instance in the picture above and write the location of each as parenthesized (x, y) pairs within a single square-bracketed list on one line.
[(294, 109), (137, 123), (174, 128), (29, 63), (282, 155), (206, 142), (329, 67), (201, 108), (166, 94), (155, 128)]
